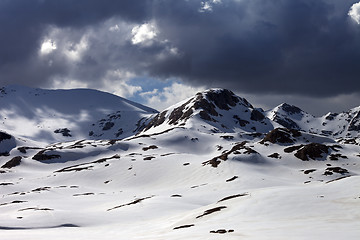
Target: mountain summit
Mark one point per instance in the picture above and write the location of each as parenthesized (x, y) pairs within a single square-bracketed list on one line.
[(219, 108)]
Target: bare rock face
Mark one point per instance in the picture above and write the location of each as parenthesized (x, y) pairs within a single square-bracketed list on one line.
[(281, 135), (257, 115), (312, 151), (202, 103), (156, 121), (286, 122), (4, 136), (291, 108), (205, 116), (223, 99), (180, 113)]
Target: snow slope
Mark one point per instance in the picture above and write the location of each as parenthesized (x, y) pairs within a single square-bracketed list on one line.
[(185, 176), (50, 116)]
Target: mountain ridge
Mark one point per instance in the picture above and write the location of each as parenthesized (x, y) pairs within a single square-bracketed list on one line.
[(206, 105), (220, 109)]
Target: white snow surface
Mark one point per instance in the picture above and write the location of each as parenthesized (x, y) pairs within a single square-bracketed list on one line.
[(37, 113), (159, 184)]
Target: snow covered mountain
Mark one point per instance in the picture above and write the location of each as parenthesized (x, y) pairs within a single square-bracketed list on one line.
[(62, 115), (214, 110), (336, 125), (210, 167)]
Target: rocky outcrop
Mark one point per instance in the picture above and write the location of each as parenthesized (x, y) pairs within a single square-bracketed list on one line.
[(180, 114), (281, 135), (214, 162), (291, 109), (4, 136), (257, 115), (286, 122), (224, 99), (41, 156), (312, 151), (156, 121), (15, 161), (64, 131)]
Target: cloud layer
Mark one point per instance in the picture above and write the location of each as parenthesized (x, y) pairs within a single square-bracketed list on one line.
[(301, 47)]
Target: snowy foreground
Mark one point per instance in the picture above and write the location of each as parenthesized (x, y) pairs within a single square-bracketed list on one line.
[(194, 171)]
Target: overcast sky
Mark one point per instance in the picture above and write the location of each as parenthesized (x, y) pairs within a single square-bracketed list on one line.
[(157, 52)]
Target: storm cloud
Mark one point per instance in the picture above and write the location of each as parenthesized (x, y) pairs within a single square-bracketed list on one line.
[(301, 47)]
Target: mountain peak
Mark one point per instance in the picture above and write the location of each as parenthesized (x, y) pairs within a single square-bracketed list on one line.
[(223, 98), (355, 109), (220, 108), (290, 109), (288, 116)]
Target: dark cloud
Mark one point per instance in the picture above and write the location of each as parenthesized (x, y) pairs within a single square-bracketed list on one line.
[(302, 47), (23, 24)]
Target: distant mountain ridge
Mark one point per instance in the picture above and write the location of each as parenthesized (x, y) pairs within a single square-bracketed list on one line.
[(62, 115), (226, 112), (336, 125)]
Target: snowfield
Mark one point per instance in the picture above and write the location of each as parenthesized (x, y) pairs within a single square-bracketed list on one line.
[(210, 167)]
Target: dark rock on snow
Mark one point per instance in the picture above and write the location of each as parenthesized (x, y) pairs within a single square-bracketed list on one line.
[(15, 161), (64, 131), (41, 156), (4, 136), (312, 151), (281, 135)]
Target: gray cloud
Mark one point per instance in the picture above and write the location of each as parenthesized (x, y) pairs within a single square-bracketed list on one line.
[(23, 24), (300, 47)]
